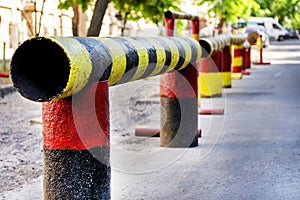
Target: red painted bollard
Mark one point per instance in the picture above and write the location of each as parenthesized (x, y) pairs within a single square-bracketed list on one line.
[(246, 58), (237, 56), (4, 74), (178, 96), (177, 90), (226, 67), (237, 61), (210, 78), (76, 145), (260, 49)]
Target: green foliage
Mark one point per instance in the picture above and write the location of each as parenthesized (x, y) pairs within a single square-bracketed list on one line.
[(286, 11), (232, 10), (66, 4), (152, 10)]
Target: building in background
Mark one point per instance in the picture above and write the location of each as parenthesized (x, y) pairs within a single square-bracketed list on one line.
[(21, 19)]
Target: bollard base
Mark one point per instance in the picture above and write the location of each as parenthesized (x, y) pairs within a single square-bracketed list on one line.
[(219, 111), (4, 74), (236, 76), (210, 96), (247, 73), (152, 132), (261, 63), (227, 86), (76, 174)]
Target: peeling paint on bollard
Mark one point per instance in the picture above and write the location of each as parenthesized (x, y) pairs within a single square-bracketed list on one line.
[(76, 145)]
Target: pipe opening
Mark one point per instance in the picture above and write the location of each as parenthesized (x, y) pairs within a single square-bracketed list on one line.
[(206, 48), (40, 69)]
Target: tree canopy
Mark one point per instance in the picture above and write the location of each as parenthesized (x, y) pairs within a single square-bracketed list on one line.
[(152, 10), (286, 11)]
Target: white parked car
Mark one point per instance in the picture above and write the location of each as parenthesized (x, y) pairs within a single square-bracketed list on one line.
[(272, 27)]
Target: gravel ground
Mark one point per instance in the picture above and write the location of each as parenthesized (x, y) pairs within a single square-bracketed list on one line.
[(20, 141), (21, 158)]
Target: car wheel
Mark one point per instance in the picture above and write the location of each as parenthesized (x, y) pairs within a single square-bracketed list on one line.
[(281, 38)]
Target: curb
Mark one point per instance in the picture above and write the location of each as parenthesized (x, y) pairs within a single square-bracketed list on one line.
[(6, 89)]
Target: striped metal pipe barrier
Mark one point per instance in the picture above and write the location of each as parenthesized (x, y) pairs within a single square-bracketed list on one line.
[(170, 17), (211, 66), (47, 68), (71, 76)]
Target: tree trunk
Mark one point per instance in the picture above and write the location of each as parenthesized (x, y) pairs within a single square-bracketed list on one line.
[(75, 20), (124, 24), (220, 25), (97, 18)]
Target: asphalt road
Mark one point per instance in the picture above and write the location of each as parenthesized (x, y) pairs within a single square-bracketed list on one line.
[(251, 152)]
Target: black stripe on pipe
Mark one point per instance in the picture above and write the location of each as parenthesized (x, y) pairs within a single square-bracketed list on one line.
[(100, 57), (132, 59), (168, 54), (152, 56), (206, 48), (194, 50), (76, 174), (181, 54), (180, 15)]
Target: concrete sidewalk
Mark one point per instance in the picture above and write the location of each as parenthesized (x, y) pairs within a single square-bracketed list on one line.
[(6, 86)]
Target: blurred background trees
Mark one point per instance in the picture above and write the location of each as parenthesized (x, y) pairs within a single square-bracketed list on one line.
[(287, 12)]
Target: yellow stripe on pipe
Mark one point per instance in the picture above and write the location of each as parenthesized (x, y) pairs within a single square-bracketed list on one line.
[(188, 53), (80, 65), (143, 58), (160, 56), (174, 54), (118, 60)]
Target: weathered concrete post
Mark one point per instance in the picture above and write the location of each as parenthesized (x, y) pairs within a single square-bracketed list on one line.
[(178, 95), (237, 56), (76, 145)]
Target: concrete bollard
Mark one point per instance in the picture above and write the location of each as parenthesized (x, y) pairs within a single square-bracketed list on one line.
[(210, 65), (246, 58), (76, 145), (260, 49), (178, 96), (71, 77), (4, 74), (176, 92), (237, 56), (210, 81), (226, 65)]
